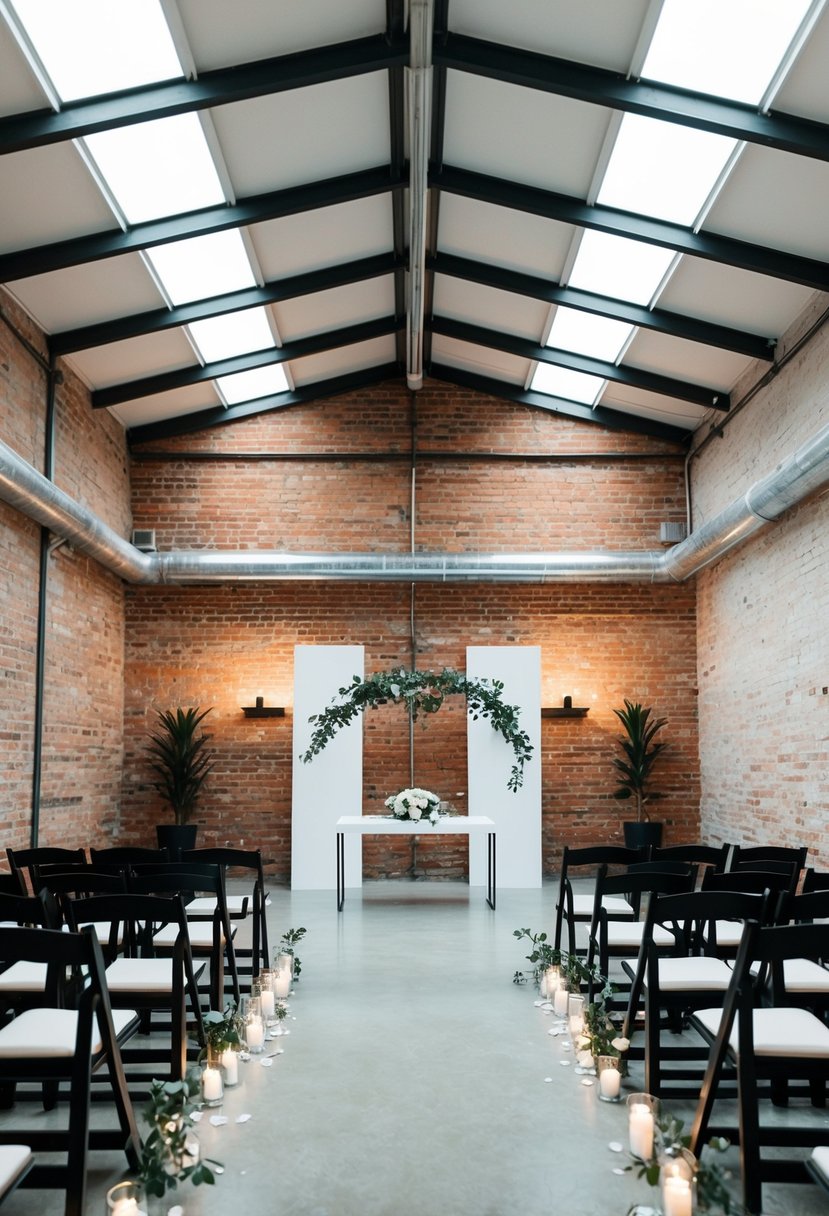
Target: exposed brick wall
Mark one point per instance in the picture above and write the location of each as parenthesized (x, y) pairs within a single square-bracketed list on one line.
[(763, 613), (83, 682)]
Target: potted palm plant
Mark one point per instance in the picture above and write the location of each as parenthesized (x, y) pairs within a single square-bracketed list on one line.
[(180, 759), (641, 751)]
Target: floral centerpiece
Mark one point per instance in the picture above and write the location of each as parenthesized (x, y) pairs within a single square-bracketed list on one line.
[(414, 804)]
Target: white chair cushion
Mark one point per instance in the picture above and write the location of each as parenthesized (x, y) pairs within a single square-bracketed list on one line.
[(616, 905), (820, 1160), (206, 905), (49, 1034), (729, 932), (777, 1032), (201, 935), (628, 935), (23, 977), (143, 975), (799, 975), (13, 1160), (693, 974)]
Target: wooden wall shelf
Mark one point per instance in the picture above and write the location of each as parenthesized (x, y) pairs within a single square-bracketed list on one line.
[(263, 711), (565, 711)]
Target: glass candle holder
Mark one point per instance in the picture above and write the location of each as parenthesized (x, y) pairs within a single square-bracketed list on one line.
[(549, 982), (608, 1069), (575, 1015), (283, 975), (212, 1085), (229, 1061), (267, 996), (560, 998), (643, 1111), (126, 1199), (254, 1028), (678, 1183)]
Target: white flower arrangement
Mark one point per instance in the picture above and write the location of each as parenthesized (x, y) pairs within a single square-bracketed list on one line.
[(414, 804)]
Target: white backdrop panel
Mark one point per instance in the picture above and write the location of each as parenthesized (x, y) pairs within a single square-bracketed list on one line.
[(332, 784), (517, 816)]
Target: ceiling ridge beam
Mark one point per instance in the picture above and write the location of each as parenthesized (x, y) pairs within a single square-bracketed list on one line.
[(659, 320), (652, 382), (203, 420), (274, 291), (258, 208), (166, 382), (598, 86), (566, 209), (223, 86), (614, 420)]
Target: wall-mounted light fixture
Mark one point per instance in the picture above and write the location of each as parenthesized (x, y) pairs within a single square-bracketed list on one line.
[(566, 710), (261, 710)]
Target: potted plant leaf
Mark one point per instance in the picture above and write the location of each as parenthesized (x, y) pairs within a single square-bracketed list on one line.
[(641, 751), (181, 761)]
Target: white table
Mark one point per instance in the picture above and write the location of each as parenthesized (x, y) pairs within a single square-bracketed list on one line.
[(387, 825)]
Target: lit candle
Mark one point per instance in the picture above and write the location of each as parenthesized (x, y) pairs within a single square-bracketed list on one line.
[(267, 1004), (560, 1002), (255, 1034), (125, 1207), (576, 1024), (640, 1130), (230, 1066), (676, 1197), (610, 1082), (211, 1085), (282, 983)]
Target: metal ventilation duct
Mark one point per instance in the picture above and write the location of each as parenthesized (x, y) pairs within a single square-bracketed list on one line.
[(798, 476)]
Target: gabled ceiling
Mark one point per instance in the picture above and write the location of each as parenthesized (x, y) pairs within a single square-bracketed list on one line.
[(308, 112)]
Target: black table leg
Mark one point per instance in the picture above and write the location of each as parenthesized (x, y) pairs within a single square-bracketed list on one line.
[(490, 859), (340, 870)]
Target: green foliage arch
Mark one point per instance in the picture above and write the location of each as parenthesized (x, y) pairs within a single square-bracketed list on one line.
[(423, 692)]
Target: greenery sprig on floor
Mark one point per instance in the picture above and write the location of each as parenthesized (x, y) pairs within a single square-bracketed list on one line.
[(712, 1180), (287, 945), (166, 1155), (423, 692)]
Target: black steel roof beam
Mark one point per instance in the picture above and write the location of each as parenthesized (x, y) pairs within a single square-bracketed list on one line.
[(651, 382), (613, 420), (567, 210), (395, 31), (300, 349), (657, 319), (273, 292), (786, 132), (202, 420), (257, 209), (217, 88)]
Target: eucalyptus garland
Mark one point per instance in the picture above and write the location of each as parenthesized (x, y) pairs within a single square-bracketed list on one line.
[(423, 692)]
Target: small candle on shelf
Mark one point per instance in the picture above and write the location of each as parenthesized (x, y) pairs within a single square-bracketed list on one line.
[(230, 1066), (640, 1130), (211, 1086)]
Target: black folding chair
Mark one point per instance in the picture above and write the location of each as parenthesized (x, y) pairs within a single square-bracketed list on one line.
[(699, 855), (22, 983), (53, 1044), (574, 907), (28, 861), (126, 855), (238, 906)]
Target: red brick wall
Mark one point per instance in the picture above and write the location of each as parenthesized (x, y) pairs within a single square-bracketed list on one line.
[(222, 646), (83, 683)]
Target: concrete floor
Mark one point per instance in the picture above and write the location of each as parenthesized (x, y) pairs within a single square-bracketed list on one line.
[(414, 1078)]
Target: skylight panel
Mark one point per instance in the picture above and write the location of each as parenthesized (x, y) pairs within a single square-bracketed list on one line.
[(661, 169), (258, 382), (730, 48), (157, 168), (588, 334), (203, 266), (572, 386), (617, 267), (90, 47), (235, 333)]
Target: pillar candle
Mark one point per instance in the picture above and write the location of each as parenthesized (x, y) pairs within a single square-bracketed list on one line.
[(283, 982), (267, 1004), (211, 1084), (255, 1034), (230, 1066), (640, 1130), (610, 1082), (560, 1002), (677, 1197)]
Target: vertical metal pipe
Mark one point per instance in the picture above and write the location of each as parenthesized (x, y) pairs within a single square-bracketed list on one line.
[(54, 378), (412, 586)]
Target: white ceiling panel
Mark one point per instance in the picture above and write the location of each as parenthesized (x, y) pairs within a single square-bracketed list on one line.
[(652, 405), (335, 309), (805, 91), (684, 360), (360, 357), (500, 310), (601, 32), (776, 199), (325, 237), (149, 355), (305, 135), (89, 294), (752, 302), (480, 359), (521, 134), (19, 90), (220, 33), (145, 410), (512, 239), (30, 183)]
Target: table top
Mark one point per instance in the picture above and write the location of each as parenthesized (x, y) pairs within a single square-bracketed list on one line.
[(382, 824)]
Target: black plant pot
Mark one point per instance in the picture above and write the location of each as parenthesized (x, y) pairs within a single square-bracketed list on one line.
[(176, 838), (641, 835)]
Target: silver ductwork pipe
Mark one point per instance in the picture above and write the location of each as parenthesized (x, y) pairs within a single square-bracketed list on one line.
[(22, 487), (800, 475)]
